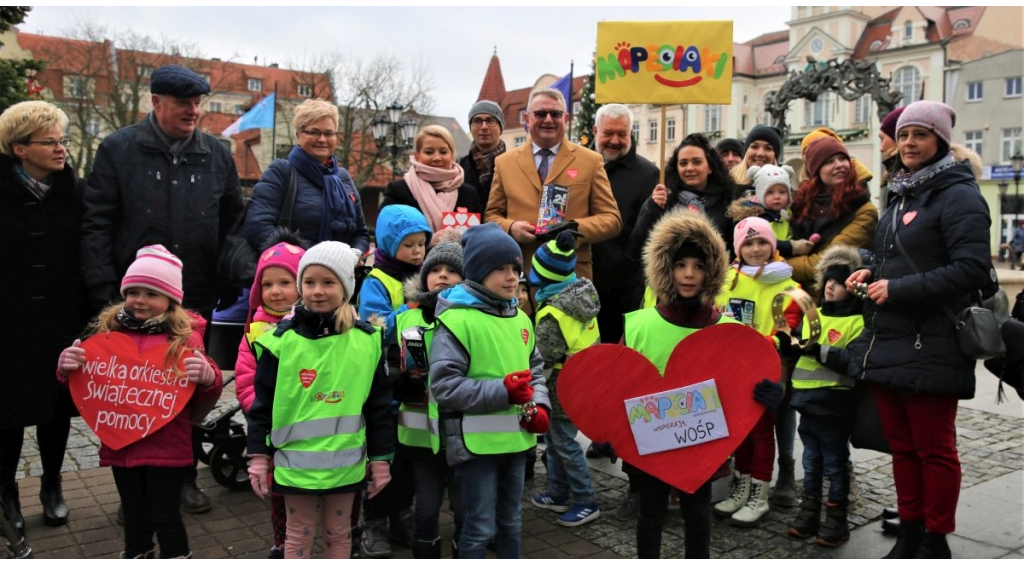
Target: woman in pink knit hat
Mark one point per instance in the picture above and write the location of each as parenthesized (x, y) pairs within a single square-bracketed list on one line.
[(149, 473)]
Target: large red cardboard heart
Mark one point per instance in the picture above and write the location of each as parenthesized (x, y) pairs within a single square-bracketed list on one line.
[(594, 383), (125, 395)]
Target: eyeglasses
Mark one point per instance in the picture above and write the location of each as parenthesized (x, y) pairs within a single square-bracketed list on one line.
[(325, 134), (543, 114), (488, 121), (51, 143)]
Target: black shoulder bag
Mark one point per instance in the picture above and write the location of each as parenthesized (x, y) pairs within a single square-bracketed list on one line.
[(237, 261)]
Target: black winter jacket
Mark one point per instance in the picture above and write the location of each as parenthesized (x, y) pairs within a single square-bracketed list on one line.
[(471, 176), (139, 194), (268, 199), (714, 199), (943, 224), (398, 192)]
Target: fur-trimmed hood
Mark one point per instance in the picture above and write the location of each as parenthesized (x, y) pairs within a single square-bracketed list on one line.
[(670, 233), (836, 255), (962, 153)]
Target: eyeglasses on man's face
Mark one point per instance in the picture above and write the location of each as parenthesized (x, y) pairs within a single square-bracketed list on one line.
[(317, 134), (488, 121), (543, 114), (50, 143)]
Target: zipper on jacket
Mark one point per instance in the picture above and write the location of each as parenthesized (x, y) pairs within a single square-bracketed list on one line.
[(874, 334)]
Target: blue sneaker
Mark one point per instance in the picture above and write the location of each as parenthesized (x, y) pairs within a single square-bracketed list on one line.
[(550, 502), (579, 514)]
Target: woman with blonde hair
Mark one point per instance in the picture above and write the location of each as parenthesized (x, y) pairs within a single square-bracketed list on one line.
[(327, 204), (40, 216), (762, 146), (435, 181)]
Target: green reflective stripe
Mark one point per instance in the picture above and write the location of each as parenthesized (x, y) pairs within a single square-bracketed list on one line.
[(506, 423), (806, 378), (413, 419), (316, 428), (839, 332), (315, 460), (392, 285)]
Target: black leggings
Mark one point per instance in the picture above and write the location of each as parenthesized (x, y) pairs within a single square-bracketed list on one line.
[(53, 442), (151, 496), (695, 509)]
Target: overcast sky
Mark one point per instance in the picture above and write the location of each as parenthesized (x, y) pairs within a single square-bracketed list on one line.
[(455, 44)]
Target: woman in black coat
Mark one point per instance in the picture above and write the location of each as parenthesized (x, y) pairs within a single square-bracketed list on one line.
[(435, 182), (937, 216), (40, 214)]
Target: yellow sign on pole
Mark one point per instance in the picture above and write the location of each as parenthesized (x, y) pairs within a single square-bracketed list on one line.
[(686, 62)]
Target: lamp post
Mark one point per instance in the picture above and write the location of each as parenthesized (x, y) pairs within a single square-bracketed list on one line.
[(1017, 161), (1003, 187), (390, 128)]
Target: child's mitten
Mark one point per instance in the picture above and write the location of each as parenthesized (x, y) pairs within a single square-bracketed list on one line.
[(768, 393), (519, 389), (259, 469), (71, 359), (198, 370), (539, 420), (380, 476)]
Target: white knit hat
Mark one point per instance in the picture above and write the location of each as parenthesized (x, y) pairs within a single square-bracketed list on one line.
[(764, 177), (338, 258)]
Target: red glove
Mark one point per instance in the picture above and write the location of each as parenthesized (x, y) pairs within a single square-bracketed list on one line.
[(519, 389), (539, 421)]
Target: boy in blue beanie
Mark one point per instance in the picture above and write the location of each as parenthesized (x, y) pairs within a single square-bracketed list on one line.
[(566, 324), (486, 375)]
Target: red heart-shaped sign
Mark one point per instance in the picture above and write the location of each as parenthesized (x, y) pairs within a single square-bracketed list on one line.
[(306, 376), (125, 395), (595, 383)]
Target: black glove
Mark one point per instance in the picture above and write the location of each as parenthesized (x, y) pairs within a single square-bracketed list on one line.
[(812, 350), (604, 449), (101, 295), (411, 390), (768, 393), (786, 348)]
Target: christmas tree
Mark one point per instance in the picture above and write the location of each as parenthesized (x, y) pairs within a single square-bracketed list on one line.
[(588, 109), (15, 75)]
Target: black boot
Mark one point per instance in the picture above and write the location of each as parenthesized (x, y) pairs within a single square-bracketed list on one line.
[(890, 513), (12, 507), (891, 527), (835, 531), (423, 549), (55, 511), (455, 549), (908, 540), (934, 546), (808, 520)]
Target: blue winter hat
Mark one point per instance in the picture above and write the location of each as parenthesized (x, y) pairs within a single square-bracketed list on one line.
[(554, 261), (177, 81), (396, 222), (487, 247)]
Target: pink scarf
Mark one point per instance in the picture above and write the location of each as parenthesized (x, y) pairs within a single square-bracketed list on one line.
[(435, 190)]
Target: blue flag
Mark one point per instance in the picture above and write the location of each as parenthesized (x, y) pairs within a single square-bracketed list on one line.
[(564, 85), (260, 116)]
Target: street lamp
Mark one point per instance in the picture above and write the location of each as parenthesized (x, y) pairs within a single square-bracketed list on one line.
[(1003, 186), (1017, 161), (401, 133)]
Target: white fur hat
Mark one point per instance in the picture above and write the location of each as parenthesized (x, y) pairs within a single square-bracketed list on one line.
[(764, 177)]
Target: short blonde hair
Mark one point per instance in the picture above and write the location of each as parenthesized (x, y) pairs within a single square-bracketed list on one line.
[(312, 110), (20, 121), (434, 131)]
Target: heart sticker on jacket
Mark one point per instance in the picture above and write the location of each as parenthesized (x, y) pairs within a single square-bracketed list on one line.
[(306, 376), (908, 217), (595, 383)]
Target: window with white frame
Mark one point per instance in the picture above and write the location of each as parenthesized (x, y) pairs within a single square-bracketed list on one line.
[(205, 75), (670, 129), (766, 117), (636, 130), (1011, 144), (1013, 87), (576, 108), (305, 90), (78, 87), (972, 139), (146, 71), (816, 113), (216, 107), (744, 122), (93, 126), (862, 109), (239, 109), (908, 30), (652, 131), (974, 91), (255, 85), (520, 140), (712, 117), (908, 81)]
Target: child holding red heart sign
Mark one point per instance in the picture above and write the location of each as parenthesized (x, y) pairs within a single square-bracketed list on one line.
[(149, 472)]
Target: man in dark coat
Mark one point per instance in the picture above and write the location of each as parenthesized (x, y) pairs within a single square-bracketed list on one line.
[(619, 280), (161, 181), (486, 122)]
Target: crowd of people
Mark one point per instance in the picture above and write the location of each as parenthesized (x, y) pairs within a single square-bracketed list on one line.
[(366, 403)]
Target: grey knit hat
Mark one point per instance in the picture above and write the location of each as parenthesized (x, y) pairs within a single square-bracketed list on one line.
[(935, 116), (336, 257), (490, 108), (448, 253)]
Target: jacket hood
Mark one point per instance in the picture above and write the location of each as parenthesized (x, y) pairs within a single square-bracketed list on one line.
[(836, 255), (962, 153), (670, 233), (472, 295), (396, 222), (415, 292), (742, 208), (579, 299)]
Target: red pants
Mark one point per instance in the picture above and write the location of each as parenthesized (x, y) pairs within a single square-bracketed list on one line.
[(756, 454), (925, 466)]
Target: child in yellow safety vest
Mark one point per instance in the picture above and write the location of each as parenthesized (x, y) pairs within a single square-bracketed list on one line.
[(322, 407), (822, 393), (418, 425), (566, 324), (486, 375), (772, 198)]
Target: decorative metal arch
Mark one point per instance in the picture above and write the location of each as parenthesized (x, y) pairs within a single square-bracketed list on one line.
[(850, 79)]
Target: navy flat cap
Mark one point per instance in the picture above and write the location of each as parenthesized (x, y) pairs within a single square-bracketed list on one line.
[(177, 81)]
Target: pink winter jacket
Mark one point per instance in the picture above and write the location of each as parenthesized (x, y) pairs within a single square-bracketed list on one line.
[(171, 446), (245, 365)]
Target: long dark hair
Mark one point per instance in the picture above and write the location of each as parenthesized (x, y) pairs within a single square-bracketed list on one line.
[(718, 178), (844, 196)]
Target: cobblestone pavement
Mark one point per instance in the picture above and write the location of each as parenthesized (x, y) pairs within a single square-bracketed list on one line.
[(991, 445)]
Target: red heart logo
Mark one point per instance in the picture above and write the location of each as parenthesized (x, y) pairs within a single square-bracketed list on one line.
[(572, 173), (908, 217), (595, 383), (526, 337), (306, 376), (124, 395), (834, 336)]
